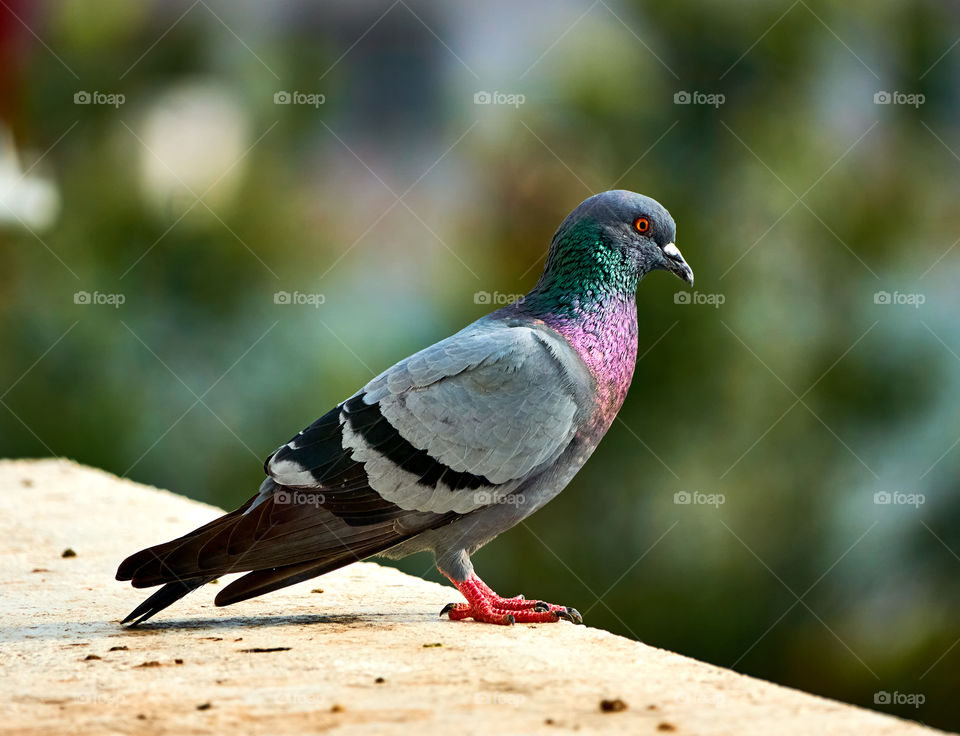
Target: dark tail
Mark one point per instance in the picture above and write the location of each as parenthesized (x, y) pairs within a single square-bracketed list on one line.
[(276, 543), (167, 595)]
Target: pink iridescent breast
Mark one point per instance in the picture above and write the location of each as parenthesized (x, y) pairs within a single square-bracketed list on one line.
[(607, 342)]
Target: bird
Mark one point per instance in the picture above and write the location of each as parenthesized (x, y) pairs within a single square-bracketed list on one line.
[(453, 445)]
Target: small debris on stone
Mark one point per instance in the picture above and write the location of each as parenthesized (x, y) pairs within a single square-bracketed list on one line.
[(39, 569), (90, 657), (433, 644), (264, 650), (68, 552), (151, 663), (664, 726), (379, 680), (614, 705), (118, 649), (317, 590), (205, 706), (337, 708), (178, 661)]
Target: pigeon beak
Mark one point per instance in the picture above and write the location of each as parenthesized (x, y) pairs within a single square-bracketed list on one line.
[(676, 264)]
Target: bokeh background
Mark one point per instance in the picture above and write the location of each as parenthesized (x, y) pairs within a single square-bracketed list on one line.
[(218, 219)]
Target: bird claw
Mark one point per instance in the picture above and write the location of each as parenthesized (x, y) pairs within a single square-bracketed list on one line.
[(484, 605), (563, 612), (541, 612), (570, 614)]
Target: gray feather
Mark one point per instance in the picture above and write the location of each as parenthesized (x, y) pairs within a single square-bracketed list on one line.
[(494, 400)]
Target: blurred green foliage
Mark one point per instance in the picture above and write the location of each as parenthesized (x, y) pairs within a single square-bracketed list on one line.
[(798, 199)]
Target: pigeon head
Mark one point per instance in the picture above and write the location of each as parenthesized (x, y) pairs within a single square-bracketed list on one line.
[(610, 241)]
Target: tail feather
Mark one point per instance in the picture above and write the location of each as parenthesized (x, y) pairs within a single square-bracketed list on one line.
[(136, 565), (278, 543), (257, 583), (167, 595)]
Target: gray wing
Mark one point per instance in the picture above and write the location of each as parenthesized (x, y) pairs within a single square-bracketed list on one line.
[(458, 425)]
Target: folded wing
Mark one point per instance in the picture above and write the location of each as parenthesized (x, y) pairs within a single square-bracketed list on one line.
[(454, 426)]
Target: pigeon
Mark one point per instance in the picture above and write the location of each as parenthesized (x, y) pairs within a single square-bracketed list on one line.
[(452, 445)]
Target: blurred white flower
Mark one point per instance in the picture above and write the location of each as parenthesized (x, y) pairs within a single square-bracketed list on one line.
[(26, 199), (194, 136)]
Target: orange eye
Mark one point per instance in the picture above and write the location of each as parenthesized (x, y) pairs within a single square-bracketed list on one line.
[(642, 224)]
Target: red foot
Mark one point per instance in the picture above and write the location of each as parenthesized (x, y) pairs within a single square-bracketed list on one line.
[(487, 607)]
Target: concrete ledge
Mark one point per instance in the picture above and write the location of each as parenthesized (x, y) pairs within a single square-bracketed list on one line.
[(367, 655)]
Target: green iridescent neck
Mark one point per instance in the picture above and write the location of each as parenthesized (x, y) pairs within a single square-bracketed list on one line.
[(584, 272)]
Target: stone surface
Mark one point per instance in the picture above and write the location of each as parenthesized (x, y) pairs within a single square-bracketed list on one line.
[(368, 655)]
